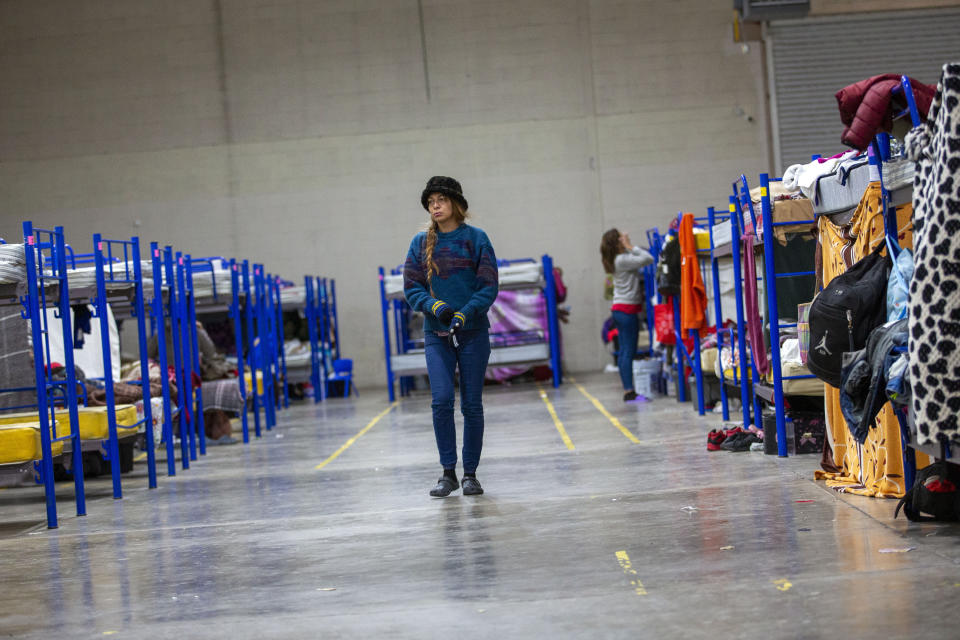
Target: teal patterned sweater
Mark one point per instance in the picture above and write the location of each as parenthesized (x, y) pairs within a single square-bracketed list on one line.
[(466, 279)]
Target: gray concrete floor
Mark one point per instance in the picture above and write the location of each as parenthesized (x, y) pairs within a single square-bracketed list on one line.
[(611, 539)]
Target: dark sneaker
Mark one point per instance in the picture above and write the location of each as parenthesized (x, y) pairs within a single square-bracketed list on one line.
[(743, 442), (630, 396), (471, 486), (445, 485)]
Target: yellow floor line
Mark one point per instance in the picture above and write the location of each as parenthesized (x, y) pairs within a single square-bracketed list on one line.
[(349, 442), (626, 432), (556, 418), (141, 457), (630, 572)]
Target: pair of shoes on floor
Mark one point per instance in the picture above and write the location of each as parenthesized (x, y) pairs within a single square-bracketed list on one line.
[(740, 441), (447, 485), (717, 437)]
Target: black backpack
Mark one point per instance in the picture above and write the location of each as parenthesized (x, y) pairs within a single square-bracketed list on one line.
[(668, 269), (845, 312), (934, 493)]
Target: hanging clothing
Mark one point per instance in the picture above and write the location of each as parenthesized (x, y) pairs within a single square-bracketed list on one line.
[(874, 468), (865, 107), (751, 304), (935, 289), (693, 294)]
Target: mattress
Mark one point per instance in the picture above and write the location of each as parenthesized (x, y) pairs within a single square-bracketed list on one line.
[(515, 276), (20, 442), (293, 297), (86, 277), (94, 424), (204, 282), (12, 264)]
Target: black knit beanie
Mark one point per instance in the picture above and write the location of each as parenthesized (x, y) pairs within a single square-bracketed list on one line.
[(445, 185)]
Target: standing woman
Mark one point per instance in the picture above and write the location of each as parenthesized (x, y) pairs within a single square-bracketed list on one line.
[(622, 259), (451, 276)]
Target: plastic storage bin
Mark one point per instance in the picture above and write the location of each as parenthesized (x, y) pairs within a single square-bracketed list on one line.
[(645, 375)]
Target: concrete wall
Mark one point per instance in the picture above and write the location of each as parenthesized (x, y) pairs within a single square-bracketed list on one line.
[(300, 133)]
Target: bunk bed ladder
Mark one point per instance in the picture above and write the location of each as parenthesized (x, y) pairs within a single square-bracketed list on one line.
[(310, 312), (190, 303), (713, 219), (740, 369), (159, 320), (176, 332), (251, 345), (263, 337), (236, 318), (773, 311), (36, 241), (282, 351)]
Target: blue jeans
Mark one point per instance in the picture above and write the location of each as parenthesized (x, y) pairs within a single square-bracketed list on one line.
[(442, 361), (628, 332)]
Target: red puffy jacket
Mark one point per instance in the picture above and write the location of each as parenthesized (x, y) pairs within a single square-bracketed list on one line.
[(865, 107)]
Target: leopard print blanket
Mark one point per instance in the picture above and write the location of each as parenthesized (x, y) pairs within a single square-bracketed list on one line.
[(935, 289)]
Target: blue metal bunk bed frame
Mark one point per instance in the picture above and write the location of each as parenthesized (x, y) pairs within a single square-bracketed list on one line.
[(769, 277), (713, 219), (37, 244), (160, 312), (106, 256), (404, 345)]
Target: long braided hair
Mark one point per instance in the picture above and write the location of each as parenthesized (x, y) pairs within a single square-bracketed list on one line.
[(459, 214)]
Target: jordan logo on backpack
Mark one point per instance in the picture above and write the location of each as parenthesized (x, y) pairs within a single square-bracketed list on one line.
[(822, 345)]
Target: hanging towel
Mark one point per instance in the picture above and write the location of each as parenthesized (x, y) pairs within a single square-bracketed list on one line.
[(81, 324), (693, 295), (751, 305)]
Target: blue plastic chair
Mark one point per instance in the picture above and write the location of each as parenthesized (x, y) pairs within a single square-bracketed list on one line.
[(342, 371)]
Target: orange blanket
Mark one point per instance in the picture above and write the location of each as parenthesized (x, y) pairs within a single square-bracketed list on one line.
[(693, 295)]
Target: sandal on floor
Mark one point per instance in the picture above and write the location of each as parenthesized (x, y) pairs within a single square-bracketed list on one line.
[(445, 485), (471, 486)]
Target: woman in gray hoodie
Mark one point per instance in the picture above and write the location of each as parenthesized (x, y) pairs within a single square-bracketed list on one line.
[(624, 260)]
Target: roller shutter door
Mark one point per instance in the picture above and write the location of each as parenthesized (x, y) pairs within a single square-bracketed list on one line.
[(811, 59)]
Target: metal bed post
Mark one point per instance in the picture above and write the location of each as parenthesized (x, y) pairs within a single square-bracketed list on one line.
[(72, 403), (319, 318), (191, 301), (185, 358), (681, 351), (157, 309), (718, 310), (176, 332), (333, 315), (263, 334), (38, 327), (773, 314), (553, 325), (324, 315), (100, 304), (314, 349), (384, 304), (251, 345), (741, 368), (33, 253), (237, 318), (142, 320), (746, 202), (281, 336)]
